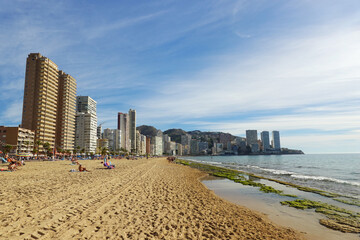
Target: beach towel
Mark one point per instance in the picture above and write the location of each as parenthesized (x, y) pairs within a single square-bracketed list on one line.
[(73, 170)]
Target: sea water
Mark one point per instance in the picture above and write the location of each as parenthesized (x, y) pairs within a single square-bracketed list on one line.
[(337, 173)]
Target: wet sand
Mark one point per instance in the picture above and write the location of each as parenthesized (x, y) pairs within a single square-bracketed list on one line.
[(305, 221), (142, 199)]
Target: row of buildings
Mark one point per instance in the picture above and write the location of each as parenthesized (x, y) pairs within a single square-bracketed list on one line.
[(125, 138), (224, 143), (54, 119)]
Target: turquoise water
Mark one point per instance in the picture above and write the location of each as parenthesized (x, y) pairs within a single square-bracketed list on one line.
[(338, 173)]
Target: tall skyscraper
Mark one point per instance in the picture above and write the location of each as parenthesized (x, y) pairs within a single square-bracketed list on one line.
[(65, 134), (86, 124), (49, 99), (123, 126), (251, 137), (132, 128), (265, 139), (276, 140)]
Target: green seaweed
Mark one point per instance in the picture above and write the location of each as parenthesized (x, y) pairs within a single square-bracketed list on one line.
[(235, 176), (315, 204), (340, 219), (218, 171), (354, 202)]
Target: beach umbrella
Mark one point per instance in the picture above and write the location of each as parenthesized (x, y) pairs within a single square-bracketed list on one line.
[(23, 155)]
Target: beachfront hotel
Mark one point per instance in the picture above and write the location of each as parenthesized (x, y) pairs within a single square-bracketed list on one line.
[(49, 98)]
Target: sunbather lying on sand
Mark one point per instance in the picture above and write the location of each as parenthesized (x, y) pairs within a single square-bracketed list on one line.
[(82, 169), (12, 167)]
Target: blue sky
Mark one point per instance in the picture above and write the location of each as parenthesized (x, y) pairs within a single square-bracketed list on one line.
[(292, 66)]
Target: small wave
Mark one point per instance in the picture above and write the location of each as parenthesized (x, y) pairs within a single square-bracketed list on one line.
[(251, 166), (278, 172), (216, 163), (308, 167), (273, 171), (321, 178), (206, 162)]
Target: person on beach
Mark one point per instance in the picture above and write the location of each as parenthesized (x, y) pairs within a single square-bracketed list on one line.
[(12, 167), (82, 169)]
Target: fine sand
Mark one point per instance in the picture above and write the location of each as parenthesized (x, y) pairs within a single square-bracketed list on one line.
[(139, 199)]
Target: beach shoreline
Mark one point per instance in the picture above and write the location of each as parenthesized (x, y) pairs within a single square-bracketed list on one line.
[(306, 222), (138, 199), (338, 215)]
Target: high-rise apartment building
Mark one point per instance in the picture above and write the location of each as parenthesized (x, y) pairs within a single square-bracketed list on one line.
[(49, 98), (276, 140), (123, 126), (251, 137), (86, 124), (65, 134), (85, 104), (265, 139), (114, 137), (132, 129)]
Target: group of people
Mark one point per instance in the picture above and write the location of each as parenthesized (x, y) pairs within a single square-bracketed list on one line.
[(74, 161), (107, 163), (14, 164)]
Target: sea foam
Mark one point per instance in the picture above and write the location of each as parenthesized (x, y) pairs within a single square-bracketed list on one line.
[(321, 178)]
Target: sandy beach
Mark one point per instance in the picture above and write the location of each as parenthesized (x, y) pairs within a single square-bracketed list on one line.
[(140, 199)]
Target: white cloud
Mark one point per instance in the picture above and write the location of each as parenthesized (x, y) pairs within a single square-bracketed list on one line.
[(319, 68)]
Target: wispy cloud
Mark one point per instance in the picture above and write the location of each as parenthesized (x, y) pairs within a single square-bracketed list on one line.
[(101, 30), (306, 70)]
